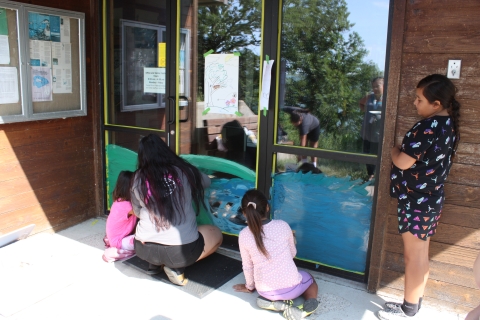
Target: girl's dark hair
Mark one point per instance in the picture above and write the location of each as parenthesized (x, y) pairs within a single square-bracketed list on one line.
[(159, 166), (122, 187), (255, 214), (439, 87)]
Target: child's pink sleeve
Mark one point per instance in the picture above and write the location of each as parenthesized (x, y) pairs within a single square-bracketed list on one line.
[(291, 242), (247, 265)]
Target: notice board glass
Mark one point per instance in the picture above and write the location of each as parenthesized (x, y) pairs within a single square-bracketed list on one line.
[(46, 49)]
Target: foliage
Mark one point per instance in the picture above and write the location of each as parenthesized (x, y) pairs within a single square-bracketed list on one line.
[(325, 68), (322, 60), (234, 27)]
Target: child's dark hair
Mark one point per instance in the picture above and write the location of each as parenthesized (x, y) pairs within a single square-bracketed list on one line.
[(122, 188), (255, 207), (439, 87)]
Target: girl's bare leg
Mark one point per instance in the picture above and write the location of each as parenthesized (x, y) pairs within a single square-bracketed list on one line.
[(416, 266), (213, 239), (312, 291)]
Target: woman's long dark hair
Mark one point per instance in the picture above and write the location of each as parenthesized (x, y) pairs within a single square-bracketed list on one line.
[(439, 87), (256, 211), (157, 169)]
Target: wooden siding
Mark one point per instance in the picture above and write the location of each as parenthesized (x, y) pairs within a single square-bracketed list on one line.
[(429, 33), (52, 169)]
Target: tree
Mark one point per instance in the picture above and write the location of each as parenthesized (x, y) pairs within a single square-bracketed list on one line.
[(325, 68), (234, 27)]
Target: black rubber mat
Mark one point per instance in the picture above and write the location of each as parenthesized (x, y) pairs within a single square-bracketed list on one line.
[(203, 277)]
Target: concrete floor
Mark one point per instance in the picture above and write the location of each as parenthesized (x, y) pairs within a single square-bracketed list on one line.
[(62, 276)]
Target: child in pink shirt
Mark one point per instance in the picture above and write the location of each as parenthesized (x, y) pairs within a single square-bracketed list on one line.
[(121, 222), (267, 248)]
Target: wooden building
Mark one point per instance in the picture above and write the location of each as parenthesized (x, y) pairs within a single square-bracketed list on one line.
[(53, 171)]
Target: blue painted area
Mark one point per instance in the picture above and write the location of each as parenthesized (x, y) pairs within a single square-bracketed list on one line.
[(331, 217), (224, 201)]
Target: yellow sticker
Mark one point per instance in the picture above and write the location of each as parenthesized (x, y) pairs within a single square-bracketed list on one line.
[(94, 222), (162, 54)]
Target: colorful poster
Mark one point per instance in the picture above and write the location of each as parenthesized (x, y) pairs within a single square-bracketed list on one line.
[(40, 53), (65, 29), (8, 85), (221, 83), (3, 22), (55, 28), (41, 84), (4, 50), (154, 80), (39, 26)]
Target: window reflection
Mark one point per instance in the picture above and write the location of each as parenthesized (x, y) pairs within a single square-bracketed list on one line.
[(328, 206), (328, 71)]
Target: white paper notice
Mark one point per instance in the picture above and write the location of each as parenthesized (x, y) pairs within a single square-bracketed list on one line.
[(8, 85), (62, 80), (41, 84), (4, 50), (62, 67), (266, 80), (154, 80), (65, 29), (62, 54), (40, 53)]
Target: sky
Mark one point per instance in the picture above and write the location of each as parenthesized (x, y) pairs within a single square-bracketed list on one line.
[(371, 23)]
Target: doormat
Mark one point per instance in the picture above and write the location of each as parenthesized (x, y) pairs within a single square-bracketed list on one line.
[(203, 276)]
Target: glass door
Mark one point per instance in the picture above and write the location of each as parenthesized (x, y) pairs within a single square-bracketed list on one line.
[(224, 140), (328, 120), (142, 78)]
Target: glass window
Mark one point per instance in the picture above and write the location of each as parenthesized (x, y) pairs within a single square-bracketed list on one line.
[(331, 74), (48, 81), (137, 64), (328, 206), (10, 71)]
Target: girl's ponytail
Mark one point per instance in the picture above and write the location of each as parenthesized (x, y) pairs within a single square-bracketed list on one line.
[(255, 208)]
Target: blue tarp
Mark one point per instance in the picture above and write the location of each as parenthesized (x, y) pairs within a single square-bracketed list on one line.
[(331, 217)]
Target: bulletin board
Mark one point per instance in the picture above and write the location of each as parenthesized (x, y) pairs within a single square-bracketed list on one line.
[(46, 57)]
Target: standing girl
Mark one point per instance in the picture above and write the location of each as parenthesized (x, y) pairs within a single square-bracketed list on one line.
[(120, 222), (267, 248), (420, 167)]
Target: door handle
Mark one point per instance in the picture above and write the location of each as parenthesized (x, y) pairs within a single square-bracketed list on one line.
[(183, 99), (171, 107)]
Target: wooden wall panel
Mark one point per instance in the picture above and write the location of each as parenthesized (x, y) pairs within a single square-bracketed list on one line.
[(466, 237), (457, 275), (434, 32), (50, 168), (439, 290)]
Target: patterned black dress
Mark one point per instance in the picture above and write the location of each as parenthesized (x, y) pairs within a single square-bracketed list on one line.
[(419, 189)]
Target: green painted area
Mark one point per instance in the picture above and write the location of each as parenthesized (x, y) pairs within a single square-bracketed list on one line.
[(119, 158)]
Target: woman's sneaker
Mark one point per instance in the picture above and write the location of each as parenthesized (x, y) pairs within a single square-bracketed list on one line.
[(279, 305), (175, 276), (303, 311)]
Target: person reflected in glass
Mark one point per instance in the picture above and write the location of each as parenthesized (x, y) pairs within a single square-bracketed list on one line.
[(371, 105), (308, 128)]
